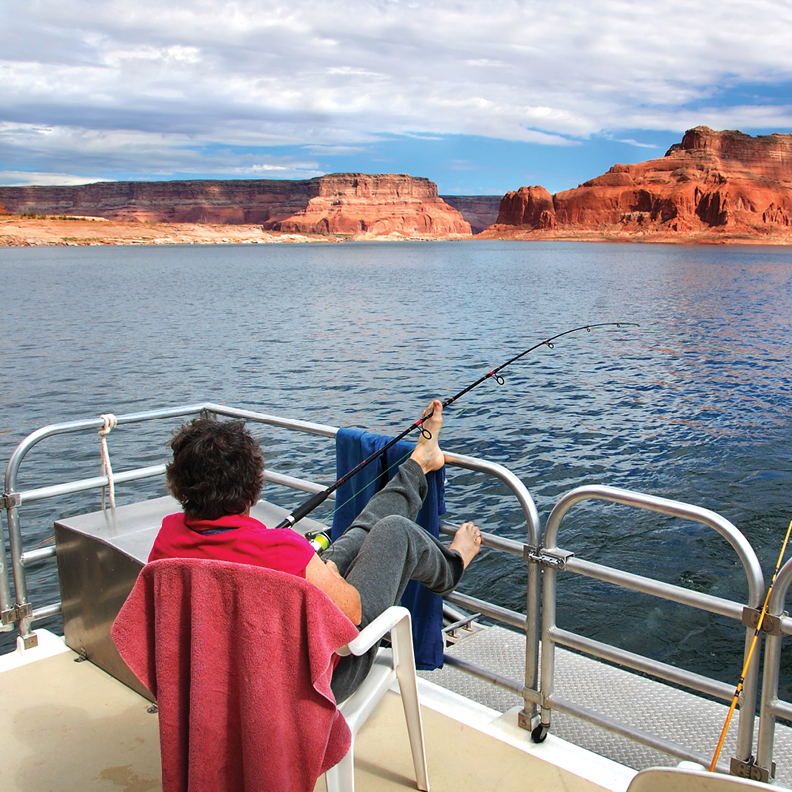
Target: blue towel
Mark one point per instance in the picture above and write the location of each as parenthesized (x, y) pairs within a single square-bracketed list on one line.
[(426, 608)]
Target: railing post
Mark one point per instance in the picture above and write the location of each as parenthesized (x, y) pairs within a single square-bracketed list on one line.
[(533, 597), (23, 609), (7, 616), (770, 676)]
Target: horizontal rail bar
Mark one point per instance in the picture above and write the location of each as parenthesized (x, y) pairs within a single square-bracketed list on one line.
[(484, 673), (657, 588), (273, 420), (518, 489), (46, 611), (488, 609), (489, 540), (781, 709), (80, 426), (640, 663), (638, 735), (91, 483), (39, 554), (687, 511), (295, 483)]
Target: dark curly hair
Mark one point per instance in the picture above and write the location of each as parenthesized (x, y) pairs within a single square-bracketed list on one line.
[(217, 468)]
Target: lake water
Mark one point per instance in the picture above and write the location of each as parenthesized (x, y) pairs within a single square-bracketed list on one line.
[(693, 405)]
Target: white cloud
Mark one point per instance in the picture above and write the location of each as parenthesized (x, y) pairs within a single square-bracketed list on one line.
[(161, 84), (33, 178)]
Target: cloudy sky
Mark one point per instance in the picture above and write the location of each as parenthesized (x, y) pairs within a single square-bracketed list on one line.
[(479, 97)]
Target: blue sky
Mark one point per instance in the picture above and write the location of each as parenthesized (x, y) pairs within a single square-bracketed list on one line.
[(479, 98)]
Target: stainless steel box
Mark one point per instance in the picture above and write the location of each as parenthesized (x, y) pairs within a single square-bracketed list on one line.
[(99, 558)]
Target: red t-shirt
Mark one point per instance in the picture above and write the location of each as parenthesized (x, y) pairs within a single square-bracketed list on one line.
[(249, 542)]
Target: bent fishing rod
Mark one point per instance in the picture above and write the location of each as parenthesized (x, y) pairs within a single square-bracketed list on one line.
[(315, 500)]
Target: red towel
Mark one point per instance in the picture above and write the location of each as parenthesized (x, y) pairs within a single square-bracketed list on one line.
[(240, 660)]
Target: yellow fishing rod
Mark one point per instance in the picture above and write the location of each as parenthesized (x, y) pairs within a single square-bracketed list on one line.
[(748, 657)]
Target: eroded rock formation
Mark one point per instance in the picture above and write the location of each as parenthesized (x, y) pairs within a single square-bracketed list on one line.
[(377, 205), (711, 186), (357, 204)]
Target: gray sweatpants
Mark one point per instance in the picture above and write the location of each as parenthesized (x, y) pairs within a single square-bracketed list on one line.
[(381, 552)]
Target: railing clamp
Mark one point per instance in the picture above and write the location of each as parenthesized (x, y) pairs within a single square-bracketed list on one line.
[(16, 613), (11, 499), (749, 769), (770, 624), (557, 559)]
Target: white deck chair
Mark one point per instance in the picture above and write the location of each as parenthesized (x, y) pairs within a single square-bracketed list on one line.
[(398, 663), (678, 779)]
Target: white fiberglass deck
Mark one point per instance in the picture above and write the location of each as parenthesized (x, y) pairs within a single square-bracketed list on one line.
[(68, 726)]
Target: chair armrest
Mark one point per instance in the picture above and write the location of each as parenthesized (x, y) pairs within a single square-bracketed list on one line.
[(369, 635)]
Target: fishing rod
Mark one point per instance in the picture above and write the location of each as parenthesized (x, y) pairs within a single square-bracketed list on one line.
[(308, 506), (757, 631)]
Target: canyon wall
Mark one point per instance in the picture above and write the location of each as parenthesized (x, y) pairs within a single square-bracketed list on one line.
[(480, 211), (355, 204), (232, 202), (713, 186)]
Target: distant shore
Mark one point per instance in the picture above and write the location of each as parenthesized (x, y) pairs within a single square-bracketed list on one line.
[(18, 231), (21, 231)]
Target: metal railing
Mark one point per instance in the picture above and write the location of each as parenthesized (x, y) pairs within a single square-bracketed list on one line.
[(552, 635), (23, 612), (771, 707), (543, 558)]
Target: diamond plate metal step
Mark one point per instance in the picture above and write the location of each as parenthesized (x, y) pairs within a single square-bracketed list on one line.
[(652, 706)]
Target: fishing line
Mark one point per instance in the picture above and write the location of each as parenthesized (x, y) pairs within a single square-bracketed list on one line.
[(308, 506), (748, 657)]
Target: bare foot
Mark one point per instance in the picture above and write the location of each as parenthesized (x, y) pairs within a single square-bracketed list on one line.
[(467, 542), (427, 450)]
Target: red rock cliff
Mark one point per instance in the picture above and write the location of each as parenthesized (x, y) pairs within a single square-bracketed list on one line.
[(341, 203), (370, 205), (711, 185)]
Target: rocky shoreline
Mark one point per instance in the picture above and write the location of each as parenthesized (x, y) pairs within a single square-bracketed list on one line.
[(18, 231), (58, 232)]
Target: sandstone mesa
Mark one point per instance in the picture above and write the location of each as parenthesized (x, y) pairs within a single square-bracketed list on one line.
[(353, 204), (711, 187)]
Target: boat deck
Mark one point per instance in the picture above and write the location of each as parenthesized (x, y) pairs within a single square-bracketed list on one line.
[(644, 704), (70, 726)]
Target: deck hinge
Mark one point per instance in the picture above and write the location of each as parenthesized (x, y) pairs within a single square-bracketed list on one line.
[(749, 769), (11, 499), (557, 559), (770, 624), (16, 613)]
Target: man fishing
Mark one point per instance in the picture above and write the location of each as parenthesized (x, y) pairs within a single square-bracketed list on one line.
[(217, 474)]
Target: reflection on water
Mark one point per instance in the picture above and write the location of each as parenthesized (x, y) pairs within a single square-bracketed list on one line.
[(694, 405)]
